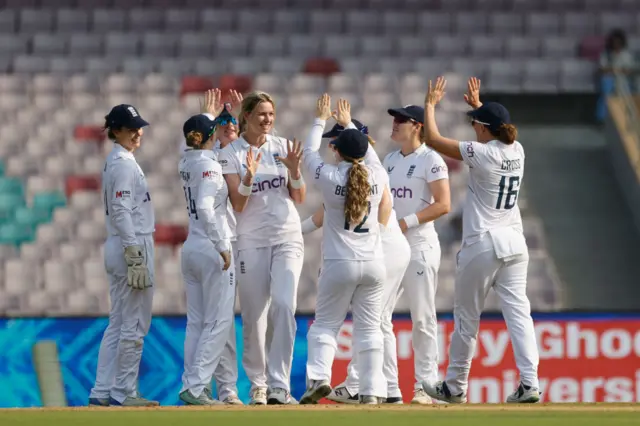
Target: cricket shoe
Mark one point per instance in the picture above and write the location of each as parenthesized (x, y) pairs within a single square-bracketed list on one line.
[(134, 401), (342, 395), (98, 402), (204, 399), (440, 391), (232, 399), (420, 397), (524, 395), (258, 397), (369, 400), (278, 396), (317, 390), (393, 400)]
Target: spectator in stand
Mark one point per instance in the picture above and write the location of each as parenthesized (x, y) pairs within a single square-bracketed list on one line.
[(615, 58)]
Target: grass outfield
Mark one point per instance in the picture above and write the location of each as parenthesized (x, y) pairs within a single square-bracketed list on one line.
[(332, 415)]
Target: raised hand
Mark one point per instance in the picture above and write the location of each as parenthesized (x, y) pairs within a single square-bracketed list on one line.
[(323, 107), (343, 113), (253, 162), (436, 92), (236, 102), (212, 102), (294, 157), (472, 97)]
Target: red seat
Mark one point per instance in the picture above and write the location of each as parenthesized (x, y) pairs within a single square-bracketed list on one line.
[(453, 165), (240, 83), (591, 47), (81, 183), (89, 134), (195, 84), (169, 234), (321, 66)]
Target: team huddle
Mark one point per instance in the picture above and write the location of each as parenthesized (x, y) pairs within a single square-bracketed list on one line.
[(241, 186)]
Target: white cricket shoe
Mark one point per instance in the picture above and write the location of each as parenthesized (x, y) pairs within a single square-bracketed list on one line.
[(369, 400), (258, 397), (440, 391), (278, 396), (232, 399), (317, 390), (524, 395), (420, 397), (342, 395)]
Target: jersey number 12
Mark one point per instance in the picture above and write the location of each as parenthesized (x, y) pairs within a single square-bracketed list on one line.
[(359, 227), (512, 192)]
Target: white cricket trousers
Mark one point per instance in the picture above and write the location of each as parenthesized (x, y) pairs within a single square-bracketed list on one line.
[(361, 284), (479, 269), (268, 289), (129, 321), (210, 296), (397, 255), (420, 283)]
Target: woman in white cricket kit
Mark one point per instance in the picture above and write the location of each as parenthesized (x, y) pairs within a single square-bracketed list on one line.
[(356, 201), (397, 253), (263, 174), (494, 252), (419, 181), (207, 263), (128, 259)]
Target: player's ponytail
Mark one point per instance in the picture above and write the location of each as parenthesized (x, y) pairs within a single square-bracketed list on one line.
[(371, 141), (194, 139), (507, 134), (356, 203)]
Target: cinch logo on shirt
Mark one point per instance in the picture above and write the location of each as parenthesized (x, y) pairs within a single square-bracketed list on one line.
[(411, 169), (123, 194), (438, 169), (403, 192), (318, 169), (276, 182), (469, 149)]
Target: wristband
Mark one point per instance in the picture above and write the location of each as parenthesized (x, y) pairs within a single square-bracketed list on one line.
[(297, 183), (308, 225), (411, 221), (244, 189)]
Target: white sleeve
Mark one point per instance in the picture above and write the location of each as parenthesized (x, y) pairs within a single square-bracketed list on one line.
[(473, 153), (312, 159), (436, 169), (229, 161), (122, 196), (205, 204)]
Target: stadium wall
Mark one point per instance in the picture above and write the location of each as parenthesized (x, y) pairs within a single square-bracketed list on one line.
[(584, 358)]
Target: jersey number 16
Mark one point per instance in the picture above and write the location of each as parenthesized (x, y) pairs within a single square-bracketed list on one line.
[(512, 192)]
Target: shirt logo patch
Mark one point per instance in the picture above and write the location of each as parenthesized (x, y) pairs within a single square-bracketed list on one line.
[(276, 158), (438, 169), (208, 174), (469, 149), (318, 170), (133, 111), (123, 194), (390, 169), (411, 170)]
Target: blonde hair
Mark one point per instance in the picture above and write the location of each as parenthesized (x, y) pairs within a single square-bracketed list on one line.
[(371, 141), (356, 203), (507, 133), (194, 139), (249, 103)]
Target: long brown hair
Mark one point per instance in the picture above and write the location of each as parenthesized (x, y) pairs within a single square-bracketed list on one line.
[(249, 103), (195, 139), (356, 203), (507, 133)]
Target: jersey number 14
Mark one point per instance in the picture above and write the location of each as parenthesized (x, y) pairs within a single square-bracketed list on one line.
[(511, 194), (191, 203)]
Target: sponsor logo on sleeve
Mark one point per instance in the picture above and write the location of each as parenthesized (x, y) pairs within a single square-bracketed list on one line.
[(123, 194), (318, 170), (439, 169), (469, 149), (209, 174)]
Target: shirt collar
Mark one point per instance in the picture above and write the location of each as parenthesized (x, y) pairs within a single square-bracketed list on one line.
[(419, 150), (122, 151)]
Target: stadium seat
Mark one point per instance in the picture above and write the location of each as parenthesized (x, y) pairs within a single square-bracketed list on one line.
[(591, 47), (81, 183), (88, 133), (170, 234), (321, 66), (14, 234), (194, 84)]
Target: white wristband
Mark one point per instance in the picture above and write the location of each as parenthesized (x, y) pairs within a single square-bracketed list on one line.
[(244, 189), (308, 225), (411, 220), (297, 183)]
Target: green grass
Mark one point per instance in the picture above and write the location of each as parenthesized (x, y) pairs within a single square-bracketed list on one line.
[(496, 415)]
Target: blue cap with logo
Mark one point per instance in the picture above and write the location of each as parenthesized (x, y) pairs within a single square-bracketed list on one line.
[(352, 143), (125, 116), (337, 128), (409, 112), (491, 114), (199, 123)]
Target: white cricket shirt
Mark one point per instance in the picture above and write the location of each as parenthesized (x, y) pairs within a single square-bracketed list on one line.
[(206, 195), (409, 178), (231, 217), (495, 175), (127, 202), (270, 216), (342, 240)]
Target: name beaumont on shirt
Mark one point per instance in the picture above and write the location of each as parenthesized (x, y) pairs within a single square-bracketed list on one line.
[(510, 165), (342, 190)]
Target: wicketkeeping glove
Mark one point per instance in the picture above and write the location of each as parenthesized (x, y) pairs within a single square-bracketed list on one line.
[(137, 272)]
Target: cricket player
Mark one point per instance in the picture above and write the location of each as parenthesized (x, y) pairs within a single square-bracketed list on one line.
[(397, 253), (207, 263), (419, 182), (494, 252), (264, 180), (128, 258), (356, 201)]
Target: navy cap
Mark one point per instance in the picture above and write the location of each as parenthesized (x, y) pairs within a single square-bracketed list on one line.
[(352, 143), (199, 123), (491, 114), (125, 116), (337, 128), (412, 112)]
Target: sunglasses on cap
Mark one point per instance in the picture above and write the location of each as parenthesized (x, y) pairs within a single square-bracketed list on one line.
[(224, 121), (473, 120)]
